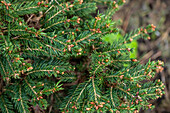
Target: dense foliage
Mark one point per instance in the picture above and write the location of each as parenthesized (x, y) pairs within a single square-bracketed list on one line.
[(53, 58)]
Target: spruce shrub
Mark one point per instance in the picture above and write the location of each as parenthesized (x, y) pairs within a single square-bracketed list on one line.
[(53, 58)]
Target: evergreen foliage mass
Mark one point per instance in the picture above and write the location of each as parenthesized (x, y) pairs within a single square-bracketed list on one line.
[(53, 59)]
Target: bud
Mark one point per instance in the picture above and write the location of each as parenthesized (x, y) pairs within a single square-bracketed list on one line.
[(92, 103), (137, 101), (71, 5), (58, 71), (134, 60), (97, 107), (136, 111), (131, 79), (41, 97), (80, 50), (55, 36), (100, 106), (2, 2), (38, 98), (45, 5), (128, 89), (68, 41), (130, 39), (148, 38), (107, 60), (160, 63), (128, 49), (121, 76), (38, 3), (88, 109), (71, 45), (145, 31), (138, 85), (68, 20), (118, 51), (103, 103), (20, 23), (78, 20)]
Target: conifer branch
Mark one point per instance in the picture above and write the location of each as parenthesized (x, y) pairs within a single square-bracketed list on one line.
[(125, 91), (95, 95), (121, 60), (85, 38), (38, 71), (111, 96), (4, 39), (53, 25), (52, 47), (21, 100), (96, 69), (60, 78), (155, 87), (116, 50), (30, 87), (64, 44), (72, 96), (35, 49), (28, 40), (58, 13), (49, 9), (10, 65), (6, 108), (10, 91), (54, 39), (83, 89), (34, 7), (139, 76), (3, 68)]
